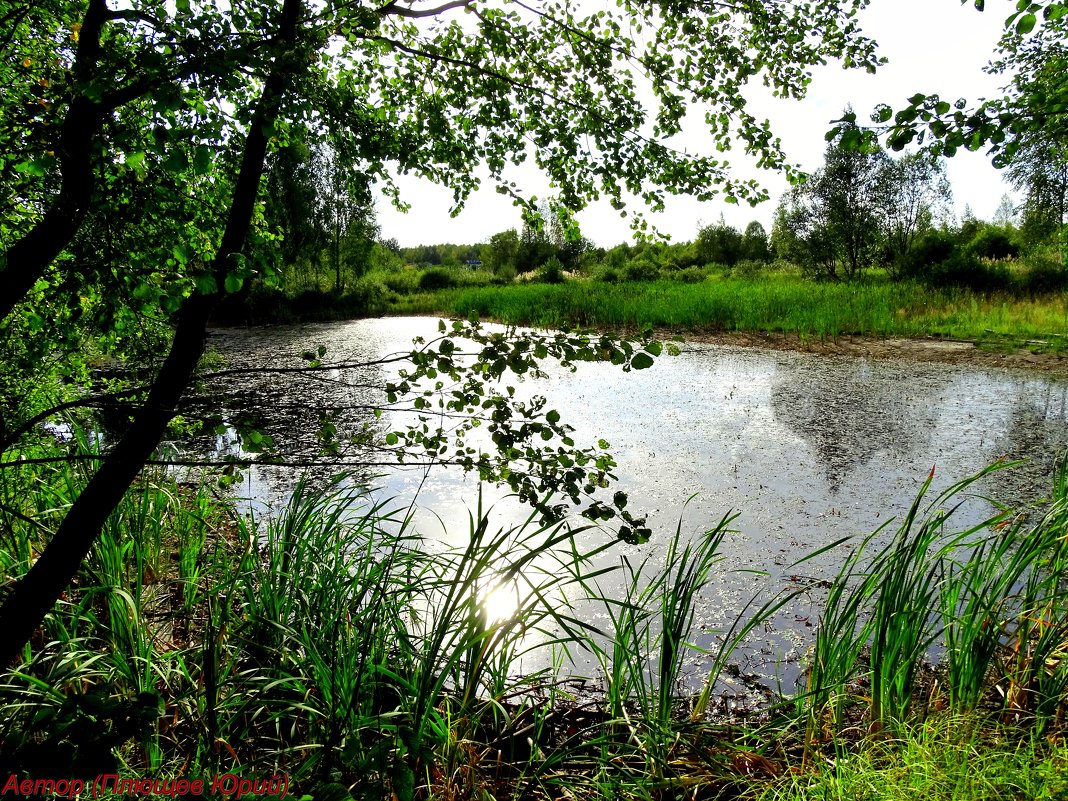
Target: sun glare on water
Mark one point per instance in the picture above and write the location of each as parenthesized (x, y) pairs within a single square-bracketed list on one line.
[(500, 601)]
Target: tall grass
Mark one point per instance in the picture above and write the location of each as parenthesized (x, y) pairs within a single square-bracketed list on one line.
[(947, 758), (333, 643), (329, 641), (654, 620), (993, 594), (773, 304)]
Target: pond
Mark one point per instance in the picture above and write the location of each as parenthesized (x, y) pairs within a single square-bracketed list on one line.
[(807, 449)]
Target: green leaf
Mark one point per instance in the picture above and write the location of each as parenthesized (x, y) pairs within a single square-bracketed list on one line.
[(182, 253), (1026, 23), (233, 283), (37, 167), (201, 159), (176, 162), (205, 283), (403, 779), (641, 361)]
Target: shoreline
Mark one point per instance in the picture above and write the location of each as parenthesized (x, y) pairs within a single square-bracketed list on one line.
[(974, 353), (926, 349)]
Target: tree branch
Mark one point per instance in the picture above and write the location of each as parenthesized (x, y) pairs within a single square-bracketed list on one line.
[(27, 259), (10, 22), (236, 462), (40, 417), (136, 16), (393, 8)]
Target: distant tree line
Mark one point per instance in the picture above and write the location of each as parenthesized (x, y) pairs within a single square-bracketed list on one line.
[(862, 210)]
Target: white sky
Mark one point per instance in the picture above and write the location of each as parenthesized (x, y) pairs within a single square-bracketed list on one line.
[(933, 46)]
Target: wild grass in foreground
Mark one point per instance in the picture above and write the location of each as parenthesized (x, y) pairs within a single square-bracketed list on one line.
[(774, 304), (946, 758), (334, 644)]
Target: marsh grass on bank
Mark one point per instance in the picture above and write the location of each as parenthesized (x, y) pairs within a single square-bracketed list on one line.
[(331, 642), (775, 304)]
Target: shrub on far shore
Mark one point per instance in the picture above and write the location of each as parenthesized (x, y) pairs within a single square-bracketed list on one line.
[(689, 275), (1043, 272), (435, 278), (552, 272)]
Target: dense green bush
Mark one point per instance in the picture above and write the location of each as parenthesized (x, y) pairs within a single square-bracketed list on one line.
[(1043, 272), (782, 266), (608, 274), (263, 304), (968, 271), (504, 275), (749, 268), (642, 268), (551, 272), (689, 275), (403, 282), (993, 242), (436, 278), (933, 248), (938, 259)]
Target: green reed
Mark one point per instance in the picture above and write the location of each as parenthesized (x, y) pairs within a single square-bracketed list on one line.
[(1036, 670), (333, 642), (774, 304), (993, 591)]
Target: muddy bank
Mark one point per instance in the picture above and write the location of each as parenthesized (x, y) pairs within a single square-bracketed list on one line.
[(945, 351)]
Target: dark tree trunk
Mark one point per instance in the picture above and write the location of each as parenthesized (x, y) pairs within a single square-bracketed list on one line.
[(31, 255), (26, 606)]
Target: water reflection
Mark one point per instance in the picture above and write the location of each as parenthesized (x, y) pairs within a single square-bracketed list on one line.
[(311, 419), (1037, 432), (852, 416)]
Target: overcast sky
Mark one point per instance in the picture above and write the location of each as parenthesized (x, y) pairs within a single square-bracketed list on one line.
[(933, 46)]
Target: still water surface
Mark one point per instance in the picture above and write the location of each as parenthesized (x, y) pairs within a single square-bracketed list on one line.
[(805, 448)]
